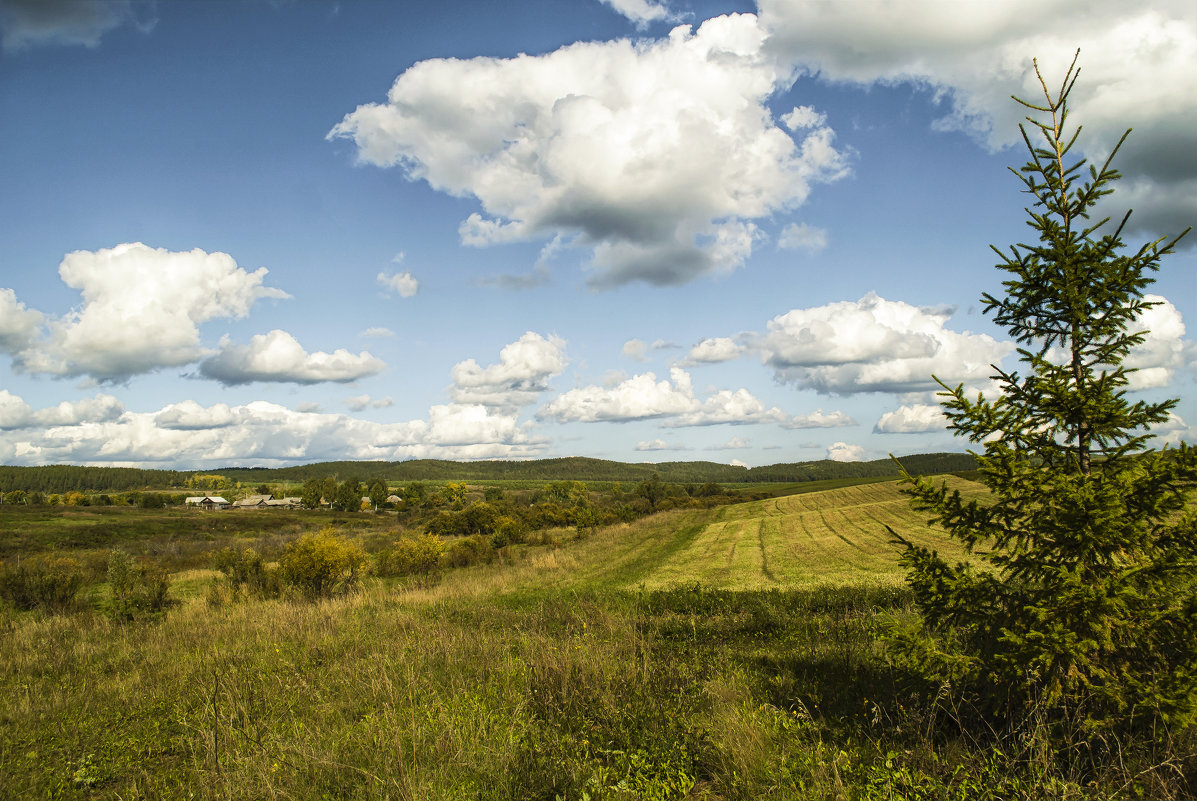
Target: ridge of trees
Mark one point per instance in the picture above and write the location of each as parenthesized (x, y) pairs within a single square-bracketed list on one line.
[(67, 478)]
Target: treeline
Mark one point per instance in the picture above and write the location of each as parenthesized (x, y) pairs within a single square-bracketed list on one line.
[(579, 468), (68, 478)]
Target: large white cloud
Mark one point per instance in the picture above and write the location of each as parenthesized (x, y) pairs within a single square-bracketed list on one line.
[(524, 369), (643, 397), (260, 433), (875, 345), (657, 155), (15, 413), (1139, 64), (278, 356), (142, 308)]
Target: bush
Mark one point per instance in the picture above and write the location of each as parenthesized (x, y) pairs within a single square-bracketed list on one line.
[(49, 584), (247, 573), (469, 551), (411, 556), (322, 565), (135, 591)]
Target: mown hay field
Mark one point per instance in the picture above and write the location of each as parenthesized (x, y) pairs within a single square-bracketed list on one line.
[(833, 537)]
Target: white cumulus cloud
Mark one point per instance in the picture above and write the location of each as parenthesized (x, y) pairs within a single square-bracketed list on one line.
[(1164, 349), (142, 308), (15, 413), (523, 372), (18, 325), (190, 416), (843, 452), (643, 397), (262, 433), (875, 345), (819, 419), (800, 236), (657, 155), (402, 284), (643, 12), (713, 350), (1137, 61), (278, 356), (918, 418)]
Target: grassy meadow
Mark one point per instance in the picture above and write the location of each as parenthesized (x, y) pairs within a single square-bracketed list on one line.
[(722, 653)]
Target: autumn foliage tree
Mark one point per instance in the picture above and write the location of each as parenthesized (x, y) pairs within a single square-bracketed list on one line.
[(1081, 607)]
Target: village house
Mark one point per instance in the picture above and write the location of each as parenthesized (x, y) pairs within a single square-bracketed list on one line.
[(208, 502), (268, 502)]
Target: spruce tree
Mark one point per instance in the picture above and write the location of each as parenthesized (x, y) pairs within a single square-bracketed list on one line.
[(1080, 606)]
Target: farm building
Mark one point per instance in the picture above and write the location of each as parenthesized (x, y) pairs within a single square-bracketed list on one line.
[(208, 502), (267, 502)]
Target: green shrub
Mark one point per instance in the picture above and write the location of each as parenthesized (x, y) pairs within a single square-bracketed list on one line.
[(411, 556), (247, 573), (49, 584), (468, 551), (135, 591), (322, 565)]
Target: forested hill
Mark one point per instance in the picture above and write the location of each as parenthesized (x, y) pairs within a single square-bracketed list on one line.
[(66, 478), (579, 468)]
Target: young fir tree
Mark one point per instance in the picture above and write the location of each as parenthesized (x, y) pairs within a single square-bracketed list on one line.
[(1083, 608)]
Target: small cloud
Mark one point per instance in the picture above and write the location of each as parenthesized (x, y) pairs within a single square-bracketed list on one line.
[(733, 444), (361, 402), (803, 117), (843, 452), (800, 236), (819, 419), (738, 463), (713, 350), (516, 282), (657, 445), (378, 333), (643, 12), (916, 419), (402, 284), (634, 349)]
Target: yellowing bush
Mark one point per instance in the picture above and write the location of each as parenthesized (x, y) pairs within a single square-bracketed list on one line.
[(323, 564), (410, 556)]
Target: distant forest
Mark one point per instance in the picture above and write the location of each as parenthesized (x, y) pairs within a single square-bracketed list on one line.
[(71, 478)]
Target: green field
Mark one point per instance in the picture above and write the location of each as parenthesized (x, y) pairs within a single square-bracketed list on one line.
[(831, 537), (724, 653)]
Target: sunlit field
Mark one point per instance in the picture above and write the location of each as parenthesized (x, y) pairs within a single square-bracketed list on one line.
[(722, 653)]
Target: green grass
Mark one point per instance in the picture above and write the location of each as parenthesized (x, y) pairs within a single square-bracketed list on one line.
[(730, 653), (833, 536)]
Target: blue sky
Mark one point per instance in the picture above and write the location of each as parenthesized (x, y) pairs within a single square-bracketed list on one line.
[(265, 233)]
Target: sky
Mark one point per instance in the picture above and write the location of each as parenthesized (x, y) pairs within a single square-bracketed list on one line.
[(252, 233)]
